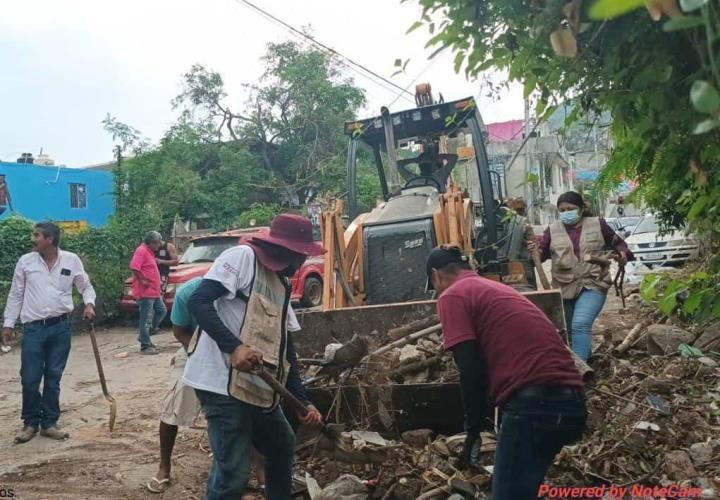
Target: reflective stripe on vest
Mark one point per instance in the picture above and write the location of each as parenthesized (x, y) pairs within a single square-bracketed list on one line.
[(571, 274)]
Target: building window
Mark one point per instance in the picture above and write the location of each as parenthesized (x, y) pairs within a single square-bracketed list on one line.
[(78, 196)]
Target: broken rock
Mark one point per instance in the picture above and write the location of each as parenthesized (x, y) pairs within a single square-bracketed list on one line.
[(710, 338), (346, 487), (417, 437), (701, 453), (665, 339), (410, 354), (678, 466), (707, 361)]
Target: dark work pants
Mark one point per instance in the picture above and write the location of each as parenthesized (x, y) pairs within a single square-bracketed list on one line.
[(44, 354), (234, 428), (534, 428)]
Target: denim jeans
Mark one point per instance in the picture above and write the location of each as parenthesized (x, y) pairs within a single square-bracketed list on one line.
[(234, 428), (533, 429), (44, 354), (580, 314), (152, 312)]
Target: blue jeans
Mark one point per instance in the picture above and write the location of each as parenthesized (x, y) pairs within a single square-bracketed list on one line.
[(44, 354), (580, 314), (234, 428), (152, 312), (533, 429)]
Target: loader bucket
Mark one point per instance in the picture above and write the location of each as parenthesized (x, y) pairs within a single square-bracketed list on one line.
[(393, 407)]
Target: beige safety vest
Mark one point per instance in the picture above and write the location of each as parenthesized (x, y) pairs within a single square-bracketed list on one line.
[(263, 329), (571, 274)]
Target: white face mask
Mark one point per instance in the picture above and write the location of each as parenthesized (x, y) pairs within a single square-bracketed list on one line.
[(570, 217)]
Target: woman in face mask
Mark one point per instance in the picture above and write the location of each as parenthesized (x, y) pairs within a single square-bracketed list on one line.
[(567, 242)]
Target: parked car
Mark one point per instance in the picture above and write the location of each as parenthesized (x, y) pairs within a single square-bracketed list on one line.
[(307, 284), (652, 248), (615, 224), (629, 223)]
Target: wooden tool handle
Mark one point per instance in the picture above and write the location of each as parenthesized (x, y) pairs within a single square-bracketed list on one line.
[(540, 270), (289, 397), (96, 353)]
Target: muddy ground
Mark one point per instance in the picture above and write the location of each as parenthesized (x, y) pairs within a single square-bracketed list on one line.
[(97, 464)]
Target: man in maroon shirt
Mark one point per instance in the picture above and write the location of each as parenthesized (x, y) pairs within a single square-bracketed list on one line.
[(510, 355)]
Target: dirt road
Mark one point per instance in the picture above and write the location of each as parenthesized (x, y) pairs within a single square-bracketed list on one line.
[(95, 463)]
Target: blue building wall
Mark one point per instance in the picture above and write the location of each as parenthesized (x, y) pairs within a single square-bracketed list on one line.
[(38, 193)]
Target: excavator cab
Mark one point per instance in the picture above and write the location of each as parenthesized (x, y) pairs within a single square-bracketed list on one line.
[(437, 187)]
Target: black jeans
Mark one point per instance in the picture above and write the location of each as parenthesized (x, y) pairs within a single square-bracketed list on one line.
[(234, 428), (536, 423)]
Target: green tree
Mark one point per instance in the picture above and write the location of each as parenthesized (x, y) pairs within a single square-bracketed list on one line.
[(293, 118), (659, 81)]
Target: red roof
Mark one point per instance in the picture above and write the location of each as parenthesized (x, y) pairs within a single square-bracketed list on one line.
[(505, 131)]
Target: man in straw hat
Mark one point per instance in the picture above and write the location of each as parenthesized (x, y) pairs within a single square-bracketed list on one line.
[(243, 309)]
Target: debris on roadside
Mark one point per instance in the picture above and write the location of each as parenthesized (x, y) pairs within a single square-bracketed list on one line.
[(654, 417)]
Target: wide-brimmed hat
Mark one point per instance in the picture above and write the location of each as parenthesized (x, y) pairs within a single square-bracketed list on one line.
[(293, 232)]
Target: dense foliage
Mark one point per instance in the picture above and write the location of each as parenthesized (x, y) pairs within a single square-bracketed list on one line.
[(105, 254), (658, 80), (283, 147)]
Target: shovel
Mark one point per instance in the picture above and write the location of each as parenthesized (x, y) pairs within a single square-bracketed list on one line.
[(103, 384)]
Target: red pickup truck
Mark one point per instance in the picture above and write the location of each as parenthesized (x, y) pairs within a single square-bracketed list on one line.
[(307, 285)]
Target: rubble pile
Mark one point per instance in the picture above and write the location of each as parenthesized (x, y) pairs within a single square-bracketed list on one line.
[(654, 419), (411, 361), (654, 413), (418, 465)]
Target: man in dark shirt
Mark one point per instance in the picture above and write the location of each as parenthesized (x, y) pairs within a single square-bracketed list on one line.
[(509, 354)]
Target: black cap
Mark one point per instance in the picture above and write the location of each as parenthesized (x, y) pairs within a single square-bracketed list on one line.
[(440, 257)]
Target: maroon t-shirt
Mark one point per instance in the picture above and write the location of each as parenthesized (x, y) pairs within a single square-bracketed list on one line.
[(517, 343)]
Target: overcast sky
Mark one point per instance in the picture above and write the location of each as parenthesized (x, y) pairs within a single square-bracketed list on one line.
[(67, 63)]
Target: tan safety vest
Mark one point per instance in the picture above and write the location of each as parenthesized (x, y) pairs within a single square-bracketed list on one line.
[(571, 274), (263, 329)]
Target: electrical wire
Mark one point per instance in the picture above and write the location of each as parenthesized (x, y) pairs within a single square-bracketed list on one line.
[(330, 50)]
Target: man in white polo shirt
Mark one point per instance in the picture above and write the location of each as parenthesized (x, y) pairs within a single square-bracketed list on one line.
[(243, 309), (41, 295)]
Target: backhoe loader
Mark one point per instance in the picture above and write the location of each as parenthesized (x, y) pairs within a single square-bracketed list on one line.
[(437, 187)]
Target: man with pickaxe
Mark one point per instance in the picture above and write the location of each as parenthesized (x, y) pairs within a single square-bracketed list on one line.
[(243, 308)]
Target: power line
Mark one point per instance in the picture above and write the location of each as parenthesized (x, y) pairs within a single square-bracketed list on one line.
[(325, 47)]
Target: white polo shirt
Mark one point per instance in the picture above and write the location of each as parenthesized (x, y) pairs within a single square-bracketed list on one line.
[(208, 367)]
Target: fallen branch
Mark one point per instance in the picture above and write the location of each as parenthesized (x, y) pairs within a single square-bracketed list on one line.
[(405, 330), (630, 338), (418, 365), (582, 367), (432, 493), (406, 340)]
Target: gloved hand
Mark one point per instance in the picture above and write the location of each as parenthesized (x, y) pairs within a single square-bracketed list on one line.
[(471, 450)]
